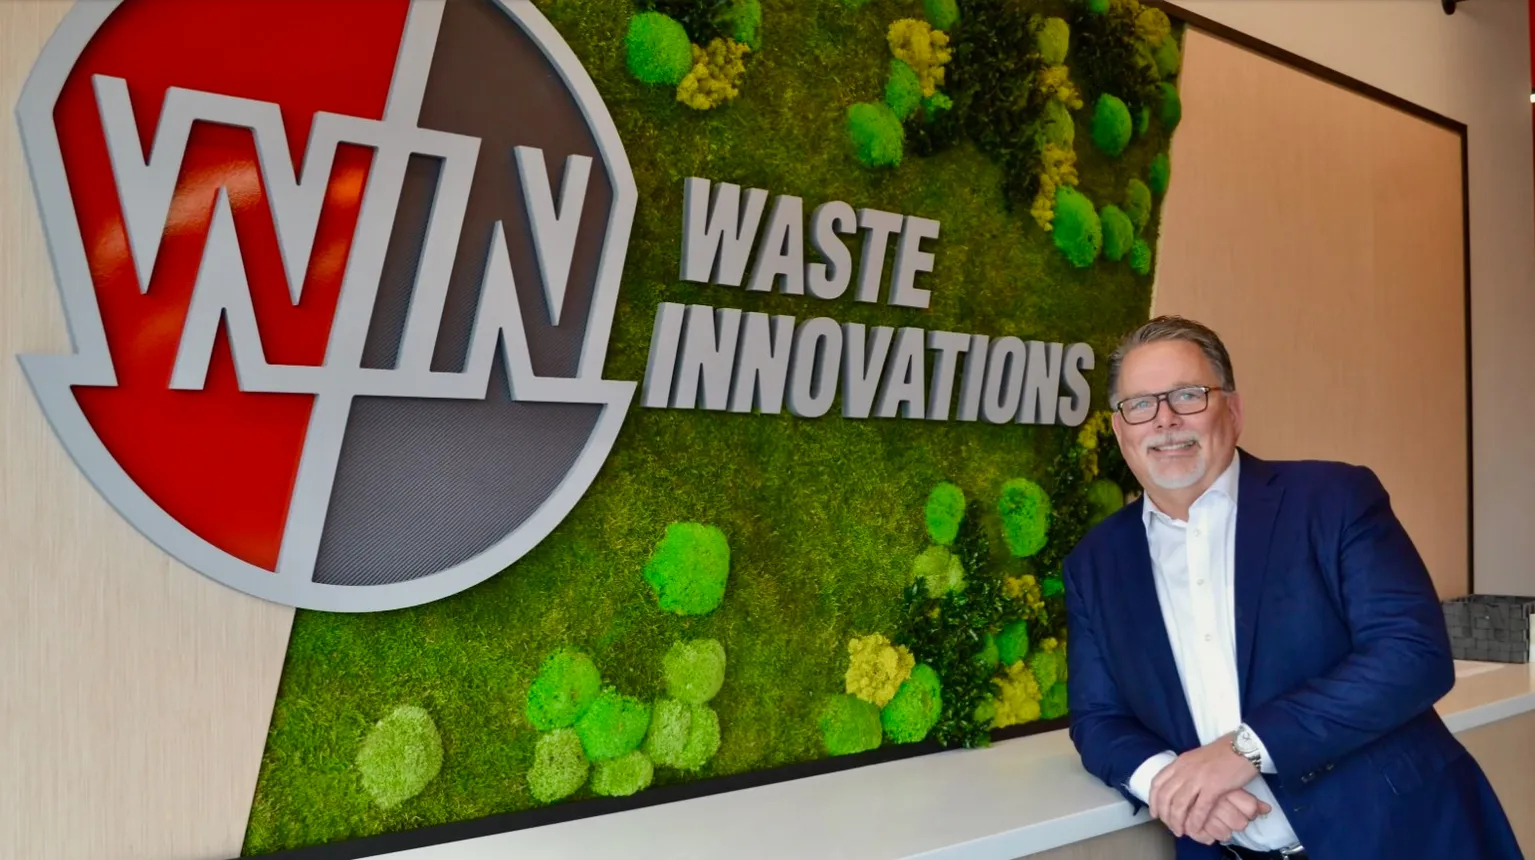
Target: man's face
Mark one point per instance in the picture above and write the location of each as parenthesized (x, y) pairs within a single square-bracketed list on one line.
[(1174, 451)]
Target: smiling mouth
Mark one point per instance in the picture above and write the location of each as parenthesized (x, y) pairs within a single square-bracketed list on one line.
[(1173, 447)]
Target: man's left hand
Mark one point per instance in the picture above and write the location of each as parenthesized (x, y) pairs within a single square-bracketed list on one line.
[(1185, 792)]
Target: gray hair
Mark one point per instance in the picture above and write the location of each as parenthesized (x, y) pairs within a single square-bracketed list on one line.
[(1173, 328)]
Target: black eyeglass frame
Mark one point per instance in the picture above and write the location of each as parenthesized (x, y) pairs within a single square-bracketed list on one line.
[(1164, 397)]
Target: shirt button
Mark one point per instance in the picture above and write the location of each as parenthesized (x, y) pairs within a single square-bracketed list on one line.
[(1208, 637), (1201, 582), (1197, 532)]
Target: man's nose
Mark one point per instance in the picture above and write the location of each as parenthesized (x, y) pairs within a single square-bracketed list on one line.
[(1166, 418)]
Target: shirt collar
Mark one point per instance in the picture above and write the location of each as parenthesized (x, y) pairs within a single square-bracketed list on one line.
[(1223, 486)]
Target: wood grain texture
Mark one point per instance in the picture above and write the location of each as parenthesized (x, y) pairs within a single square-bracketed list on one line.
[(1320, 232), (137, 693)]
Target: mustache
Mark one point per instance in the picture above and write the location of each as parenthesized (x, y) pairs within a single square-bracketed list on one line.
[(1173, 438)]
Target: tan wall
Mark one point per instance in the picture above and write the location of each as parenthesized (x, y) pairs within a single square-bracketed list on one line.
[(1472, 66), (1320, 232), (1505, 750), (136, 694)]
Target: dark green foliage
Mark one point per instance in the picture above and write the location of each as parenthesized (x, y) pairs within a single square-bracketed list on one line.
[(1106, 497), (849, 725), (1054, 703), (945, 508), (567, 683), (689, 568), (1111, 125), (1138, 203), (903, 89), (942, 14), (702, 19), (1159, 173), (1053, 40), (1140, 257), (1118, 232), (1143, 120), (613, 725), (1107, 56), (1077, 232), (991, 654), (916, 706), (1170, 110), (658, 49), (1013, 642), (876, 133), (695, 670), (991, 77)]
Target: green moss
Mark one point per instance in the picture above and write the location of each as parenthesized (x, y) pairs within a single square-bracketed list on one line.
[(1013, 643), (671, 722), (1057, 126), (1170, 110), (401, 755), (1118, 232), (916, 706), (1140, 257), (1138, 203), (903, 90), (628, 774), (1053, 40), (658, 49), (1054, 703), (1143, 120), (689, 568), (1096, 7), (849, 725), (1051, 586), (936, 105), (942, 14), (695, 670), (1025, 510), (613, 725), (876, 133), (1168, 58), (1076, 230), (1111, 125), (1104, 497), (703, 739), (939, 569), (559, 766), (1159, 173), (1153, 25), (944, 511), (1046, 666), (743, 20), (566, 685)]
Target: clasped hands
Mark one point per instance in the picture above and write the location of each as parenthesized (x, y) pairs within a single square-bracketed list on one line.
[(1200, 794)]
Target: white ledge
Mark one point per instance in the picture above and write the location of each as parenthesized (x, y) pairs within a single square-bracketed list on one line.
[(1017, 797)]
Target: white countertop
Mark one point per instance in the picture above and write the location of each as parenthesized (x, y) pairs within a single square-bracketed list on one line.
[(1014, 798)]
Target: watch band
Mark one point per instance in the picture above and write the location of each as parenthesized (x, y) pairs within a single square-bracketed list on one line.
[(1244, 744)]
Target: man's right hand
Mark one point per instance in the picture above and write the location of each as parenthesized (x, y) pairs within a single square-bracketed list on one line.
[(1232, 813)]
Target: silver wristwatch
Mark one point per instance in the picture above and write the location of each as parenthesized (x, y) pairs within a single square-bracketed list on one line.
[(1245, 744)]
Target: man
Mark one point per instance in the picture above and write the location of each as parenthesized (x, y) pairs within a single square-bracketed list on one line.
[(1255, 648)]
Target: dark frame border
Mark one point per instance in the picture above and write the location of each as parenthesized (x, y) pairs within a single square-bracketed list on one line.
[(1337, 78), (442, 834)]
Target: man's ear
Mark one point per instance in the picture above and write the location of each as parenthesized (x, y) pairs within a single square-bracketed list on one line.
[(1234, 406)]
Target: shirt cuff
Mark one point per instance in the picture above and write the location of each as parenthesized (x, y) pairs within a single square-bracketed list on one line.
[(1140, 781), (1268, 763)]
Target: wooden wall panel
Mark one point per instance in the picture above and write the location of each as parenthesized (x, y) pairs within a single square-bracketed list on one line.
[(136, 693), (1320, 233)]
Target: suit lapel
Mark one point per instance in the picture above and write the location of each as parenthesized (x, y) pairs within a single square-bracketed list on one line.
[(1257, 509), (1143, 617)]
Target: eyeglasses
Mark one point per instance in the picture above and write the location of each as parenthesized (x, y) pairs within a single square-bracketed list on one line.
[(1190, 400)]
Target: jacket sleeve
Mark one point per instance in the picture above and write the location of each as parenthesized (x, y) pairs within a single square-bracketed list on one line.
[(1401, 662), (1111, 741)]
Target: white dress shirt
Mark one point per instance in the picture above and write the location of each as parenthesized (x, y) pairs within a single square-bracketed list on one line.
[(1194, 564)]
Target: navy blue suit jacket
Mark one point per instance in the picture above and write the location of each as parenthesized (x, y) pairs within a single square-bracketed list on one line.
[(1342, 651)]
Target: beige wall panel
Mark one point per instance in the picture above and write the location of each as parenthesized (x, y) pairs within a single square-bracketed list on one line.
[(136, 693), (1320, 232), (1506, 752)]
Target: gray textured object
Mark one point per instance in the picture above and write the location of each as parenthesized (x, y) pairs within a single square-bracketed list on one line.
[(1490, 627)]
